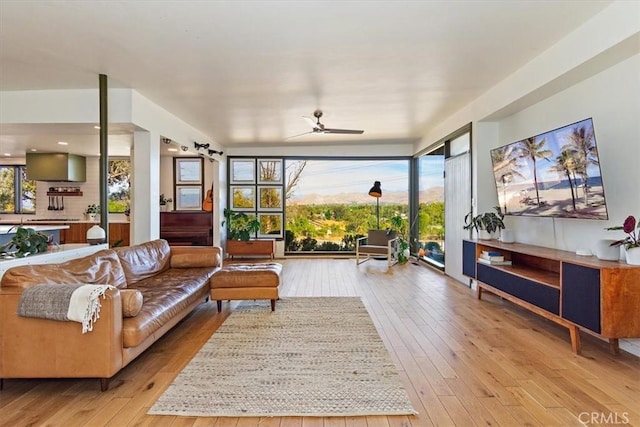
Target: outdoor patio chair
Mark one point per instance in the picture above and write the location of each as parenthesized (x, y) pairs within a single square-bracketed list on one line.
[(378, 243)]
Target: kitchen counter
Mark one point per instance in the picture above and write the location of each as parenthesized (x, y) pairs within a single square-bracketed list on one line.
[(8, 231), (30, 222), (11, 229)]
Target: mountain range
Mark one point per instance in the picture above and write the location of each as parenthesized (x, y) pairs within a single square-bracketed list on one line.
[(433, 194)]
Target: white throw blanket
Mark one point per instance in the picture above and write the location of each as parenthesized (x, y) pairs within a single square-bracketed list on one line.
[(78, 303)]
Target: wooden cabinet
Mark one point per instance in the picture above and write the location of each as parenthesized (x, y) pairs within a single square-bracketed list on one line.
[(119, 232), (602, 297), (257, 247), (76, 233)]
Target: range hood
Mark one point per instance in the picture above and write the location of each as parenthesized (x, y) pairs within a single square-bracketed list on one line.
[(56, 167)]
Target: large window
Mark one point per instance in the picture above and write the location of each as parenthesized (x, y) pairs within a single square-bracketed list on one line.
[(17, 193), (318, 204), (328, 203)]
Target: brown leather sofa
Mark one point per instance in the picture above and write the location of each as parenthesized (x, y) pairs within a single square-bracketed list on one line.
[(173, 280)]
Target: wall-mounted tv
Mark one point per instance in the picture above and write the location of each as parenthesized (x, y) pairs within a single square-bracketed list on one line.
[(554, 174)]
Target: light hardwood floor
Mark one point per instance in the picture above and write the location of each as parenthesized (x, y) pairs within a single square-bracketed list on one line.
[(464, 362)]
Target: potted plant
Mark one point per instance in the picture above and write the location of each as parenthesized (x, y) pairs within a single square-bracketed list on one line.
[(631, 242), (489, 222), (241, 233), (92, 211), (26, 241), (164, 202), (400, 226), (240, 225)]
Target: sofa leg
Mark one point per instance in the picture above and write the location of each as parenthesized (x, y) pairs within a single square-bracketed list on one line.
[(1, 383), (219, 304), (273, 305), (104, 384)]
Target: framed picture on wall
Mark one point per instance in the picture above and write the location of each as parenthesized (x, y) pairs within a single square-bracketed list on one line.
[(270, 198), (269, 171), (188, 171), (243, 171), (270, 225), (243, 198), (188, 198)]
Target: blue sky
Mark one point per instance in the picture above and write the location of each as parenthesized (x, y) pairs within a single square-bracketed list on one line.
[(327, 177), (352, 176)]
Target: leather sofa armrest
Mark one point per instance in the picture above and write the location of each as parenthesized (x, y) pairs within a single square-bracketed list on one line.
[(42, 348), (195, 256)]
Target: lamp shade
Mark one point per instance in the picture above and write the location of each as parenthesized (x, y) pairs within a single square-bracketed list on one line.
[(376, 191), (96, 235)]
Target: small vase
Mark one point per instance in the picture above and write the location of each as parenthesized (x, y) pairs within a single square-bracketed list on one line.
[(164, 208), (507, 236), (484, 235), (632, 256), (606, 252)]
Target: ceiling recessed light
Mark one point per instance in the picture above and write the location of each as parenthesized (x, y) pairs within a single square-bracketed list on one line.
[(7, 154), (96, 127), (34, 149), (172, 149), (62, 143)]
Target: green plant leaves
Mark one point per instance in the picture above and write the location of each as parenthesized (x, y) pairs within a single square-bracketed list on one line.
[(26, 241)]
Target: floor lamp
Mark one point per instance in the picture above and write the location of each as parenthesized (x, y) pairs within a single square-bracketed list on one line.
[(376, 192)]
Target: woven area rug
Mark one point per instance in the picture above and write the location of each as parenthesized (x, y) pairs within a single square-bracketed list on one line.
[(311, 357)]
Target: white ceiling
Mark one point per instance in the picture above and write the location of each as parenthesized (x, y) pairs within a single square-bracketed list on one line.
[(244, 72)]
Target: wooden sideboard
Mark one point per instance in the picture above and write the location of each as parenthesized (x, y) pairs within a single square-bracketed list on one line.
[(601, 297), (254, 247), (186, 228)]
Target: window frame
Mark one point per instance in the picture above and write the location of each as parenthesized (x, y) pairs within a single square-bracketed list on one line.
[(18, 188)]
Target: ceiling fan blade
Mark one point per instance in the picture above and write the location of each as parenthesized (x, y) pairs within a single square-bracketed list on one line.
[(300, 134), (311, 122), (347, 131)]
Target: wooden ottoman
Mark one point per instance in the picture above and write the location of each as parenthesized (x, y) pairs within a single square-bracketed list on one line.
[(246, 281)]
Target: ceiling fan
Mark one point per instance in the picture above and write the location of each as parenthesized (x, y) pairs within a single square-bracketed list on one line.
[(318, 127)]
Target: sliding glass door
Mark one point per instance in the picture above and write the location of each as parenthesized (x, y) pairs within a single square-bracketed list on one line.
[(444, 196), (431, 207)]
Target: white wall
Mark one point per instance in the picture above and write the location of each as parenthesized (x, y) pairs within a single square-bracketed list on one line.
[(328, 149), (602, 41), (610, 98)]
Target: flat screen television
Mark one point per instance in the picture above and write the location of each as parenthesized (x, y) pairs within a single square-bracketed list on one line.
[(555, 174)]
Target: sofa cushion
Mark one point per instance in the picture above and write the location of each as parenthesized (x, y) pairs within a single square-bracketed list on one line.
[(165, 295), (142, 261), (131, 302), (196, 257), (102, 267)]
